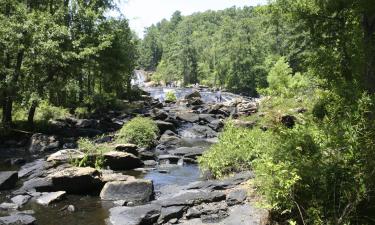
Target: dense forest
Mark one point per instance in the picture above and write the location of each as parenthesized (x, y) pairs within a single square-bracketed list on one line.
[(311, 144), (62, 55)]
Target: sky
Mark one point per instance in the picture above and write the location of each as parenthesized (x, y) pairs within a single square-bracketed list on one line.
[(144, 13)]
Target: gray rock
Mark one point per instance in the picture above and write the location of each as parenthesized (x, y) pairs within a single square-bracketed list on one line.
[(199, 131), (129, 148), (8, 180), (41, 184), (109, 175), (121, 160), (150, 163), (216, 125), (207, 118), (18, 219), (236, 197), (164, 126), (173, 212), (189, 152), (158, 114), (42, 143), (8, 206), (170, 140), (77, 180), (86, 123), (50, 197), (65, 156), (138, 215), (215, 210), (190, 198), (32, 169), (168, 159), (188, 117), (20, 200), (137, 191), (194, 94)]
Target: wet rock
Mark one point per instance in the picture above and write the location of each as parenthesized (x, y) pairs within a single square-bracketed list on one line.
[(216, 125), (8, 206), (8, 180), (164, 126), (158, 114), (65, 156), (150, 163), (137, 191), (18, 219), (194, 94), (138, 215), (40, 184), (32, 169), (168, 159), (121, 160), (236, 197), (173, 212), (43, 143), (190, 198), (188, 117), (20, 200), (129, 148), (169, 140), (77, 180), (50, 197), (199, 131), (207, 118), (189, 152)]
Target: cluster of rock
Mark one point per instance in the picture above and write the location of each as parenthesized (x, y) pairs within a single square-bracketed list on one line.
[(48, 180)]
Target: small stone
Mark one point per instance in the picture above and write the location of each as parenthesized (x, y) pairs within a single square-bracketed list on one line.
[(71, 208)]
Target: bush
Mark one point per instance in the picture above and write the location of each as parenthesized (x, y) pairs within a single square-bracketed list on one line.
[(140, 131), (81, 112), (46, 111), (93, 154), (170, 96)]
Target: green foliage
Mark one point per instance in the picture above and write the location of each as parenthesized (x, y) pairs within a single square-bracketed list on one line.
[(140, 131), (170, 96), (81, 112), (93, 154), (46, 112)]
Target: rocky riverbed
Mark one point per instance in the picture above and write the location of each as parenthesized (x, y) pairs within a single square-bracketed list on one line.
[(161, 185)]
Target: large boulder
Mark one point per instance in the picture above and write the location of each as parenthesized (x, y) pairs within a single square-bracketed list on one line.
[(137, 191), (42, 143), (8, 180), (77, 180), (158, 114), (116, 160), (164, 126), (188, 117), (169, 139), (194, 94)]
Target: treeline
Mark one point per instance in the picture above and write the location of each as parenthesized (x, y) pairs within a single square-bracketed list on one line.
[(233, 48), (62, 53), (312, 146)]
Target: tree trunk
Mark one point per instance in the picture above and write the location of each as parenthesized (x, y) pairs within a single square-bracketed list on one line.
[(30, 118), (368, 25)]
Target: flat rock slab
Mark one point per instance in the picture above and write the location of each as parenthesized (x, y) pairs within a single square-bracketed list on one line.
[(66, 155), (188, 117), (190, 198), (190, 152), (50, 197), (20, 200), (18, 219), (8, 180), (236, 197), (121, 160), (138, 215), (135, 191), (77, 180), (238, 215)]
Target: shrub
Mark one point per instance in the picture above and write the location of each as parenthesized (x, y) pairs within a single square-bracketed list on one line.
[(81, 112), (93, 153), (140, 131), (170, 96), (46, 111)]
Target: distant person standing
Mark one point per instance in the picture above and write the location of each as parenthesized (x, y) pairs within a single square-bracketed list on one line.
[(219, 98)]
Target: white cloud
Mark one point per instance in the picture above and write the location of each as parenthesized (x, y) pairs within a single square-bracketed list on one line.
[(144, 13)]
